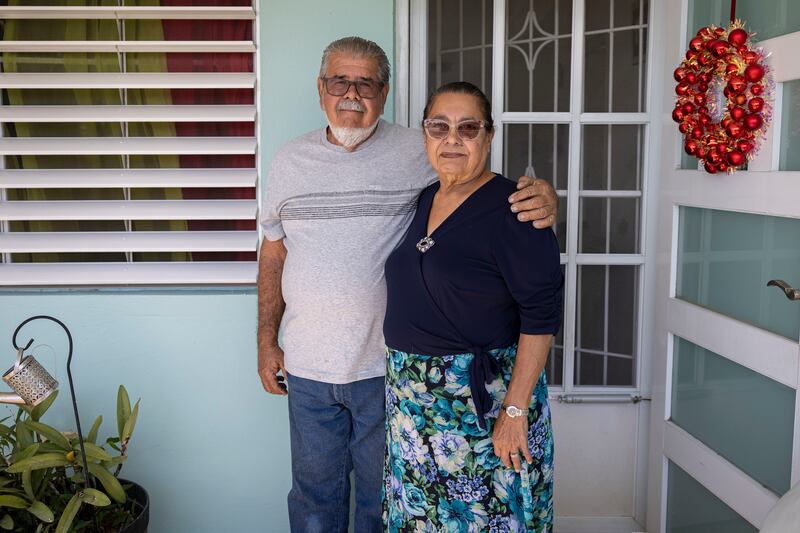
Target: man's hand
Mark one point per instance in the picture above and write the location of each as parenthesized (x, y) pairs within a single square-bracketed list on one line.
[(271, 370), (535, 200)]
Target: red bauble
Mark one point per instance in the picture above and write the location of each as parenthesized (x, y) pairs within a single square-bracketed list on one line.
[(719, 48), (736, 158), (688, 108), (722, 148), (731, 69), (705, 77), (697, 132), (740, 99), (753, 122), (700, 99), (679, 73), (683, 128), (737, 37), (690, 54), (696, 43), (711, 169), (714, 157), (690, 147), (757, 89), (681, 89), (750, 57), (725, 122), (701, 152), (703, 58), (678, 115), (737, 84), (722, 167), (691, 78), (744, 146), (756, 104), (735, 129), (704, 120), (718, 31), (737, 113), (754, 73), (702, 87)]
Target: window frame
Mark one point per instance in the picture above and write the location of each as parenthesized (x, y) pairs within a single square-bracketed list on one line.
[(130, 273)]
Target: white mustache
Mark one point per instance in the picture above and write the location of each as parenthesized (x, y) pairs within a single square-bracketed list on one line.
[(351, 105)]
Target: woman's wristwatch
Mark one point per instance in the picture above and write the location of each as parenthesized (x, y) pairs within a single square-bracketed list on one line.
[(512, 411)]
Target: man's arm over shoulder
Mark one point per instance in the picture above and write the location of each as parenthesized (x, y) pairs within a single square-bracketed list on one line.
[(270, 312)]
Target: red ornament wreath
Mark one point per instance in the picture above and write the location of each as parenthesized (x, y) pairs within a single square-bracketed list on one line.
[(723, 106)]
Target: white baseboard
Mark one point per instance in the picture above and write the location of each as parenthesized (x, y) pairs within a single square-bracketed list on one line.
[(599, 524)]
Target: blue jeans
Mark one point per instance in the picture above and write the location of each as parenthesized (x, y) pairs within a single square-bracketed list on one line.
[(335, 429)]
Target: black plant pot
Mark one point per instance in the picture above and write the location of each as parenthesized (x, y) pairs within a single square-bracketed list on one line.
[(141, 503)]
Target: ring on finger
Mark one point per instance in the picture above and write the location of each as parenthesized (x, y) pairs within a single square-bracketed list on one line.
[(514, 454)]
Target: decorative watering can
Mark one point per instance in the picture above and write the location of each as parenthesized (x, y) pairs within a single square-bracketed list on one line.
[(31, 383)]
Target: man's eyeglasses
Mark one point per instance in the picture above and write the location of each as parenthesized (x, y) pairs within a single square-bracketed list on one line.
[(365, 88), (440, 129)]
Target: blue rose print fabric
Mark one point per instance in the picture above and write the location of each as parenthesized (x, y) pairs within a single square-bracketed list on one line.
[(440, 473)]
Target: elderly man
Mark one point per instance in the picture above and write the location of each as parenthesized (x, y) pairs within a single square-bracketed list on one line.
[(337, 202)]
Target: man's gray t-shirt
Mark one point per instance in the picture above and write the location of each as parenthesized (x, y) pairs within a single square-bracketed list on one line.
[(340, 214)]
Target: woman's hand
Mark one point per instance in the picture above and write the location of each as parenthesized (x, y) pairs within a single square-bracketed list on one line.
[(510, 439)]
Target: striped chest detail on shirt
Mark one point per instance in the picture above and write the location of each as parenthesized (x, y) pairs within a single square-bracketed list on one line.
[(352, 204)]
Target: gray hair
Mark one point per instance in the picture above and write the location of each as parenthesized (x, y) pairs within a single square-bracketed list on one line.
[(357, 47)]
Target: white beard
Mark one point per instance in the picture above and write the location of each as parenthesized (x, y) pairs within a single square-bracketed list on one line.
[(352, 137)]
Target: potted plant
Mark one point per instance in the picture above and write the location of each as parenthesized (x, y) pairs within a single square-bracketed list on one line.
[(42, 487)]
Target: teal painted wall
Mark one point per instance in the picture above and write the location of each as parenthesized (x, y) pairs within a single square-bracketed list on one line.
[(211, 446)]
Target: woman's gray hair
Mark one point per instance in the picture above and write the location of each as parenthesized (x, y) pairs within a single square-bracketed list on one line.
[(357, 47)]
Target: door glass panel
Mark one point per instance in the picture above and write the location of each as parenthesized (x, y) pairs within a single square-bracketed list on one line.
[(460, 43), (725, 259), (790, 126), (605, 344), (615, 66), (691, 508), (713, 398), (541, 150), (538, 55), (768, 18)]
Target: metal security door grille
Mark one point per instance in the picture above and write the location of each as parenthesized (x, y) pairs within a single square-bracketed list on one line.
[(560, 117)]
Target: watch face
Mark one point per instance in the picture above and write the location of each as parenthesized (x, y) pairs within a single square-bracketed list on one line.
[(513, 411)]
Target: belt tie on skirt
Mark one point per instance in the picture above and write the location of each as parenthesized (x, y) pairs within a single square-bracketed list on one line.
[(483, 369)]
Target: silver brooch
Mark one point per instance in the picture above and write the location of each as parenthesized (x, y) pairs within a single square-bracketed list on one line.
[(425, 244)]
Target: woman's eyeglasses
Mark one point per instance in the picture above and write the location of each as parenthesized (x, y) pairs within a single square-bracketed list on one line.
[(440, 129), (365, 88)]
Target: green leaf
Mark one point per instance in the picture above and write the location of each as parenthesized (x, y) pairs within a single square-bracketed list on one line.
[(123, 409), (39, 410), (127, 431), (5, 431), (41, 511), (92, 437), (27, 484), (24, 436), (51, 434), (15, 502), (30, 451), (43, 460), (94, 497), (93, 451), (110, 483), (72, 508), (7, 522), (118, 460)]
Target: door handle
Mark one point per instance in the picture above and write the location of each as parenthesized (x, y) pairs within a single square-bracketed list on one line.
[(790, 292)]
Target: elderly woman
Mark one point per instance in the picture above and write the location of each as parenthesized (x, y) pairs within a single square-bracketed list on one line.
[(474, 298)]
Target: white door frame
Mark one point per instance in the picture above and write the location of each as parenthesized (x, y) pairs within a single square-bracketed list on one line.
[(762, 190)]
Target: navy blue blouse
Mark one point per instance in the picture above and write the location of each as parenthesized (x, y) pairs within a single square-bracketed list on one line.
[(486, 279)]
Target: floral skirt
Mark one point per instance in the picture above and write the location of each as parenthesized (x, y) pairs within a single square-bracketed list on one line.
[(440, 471)]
